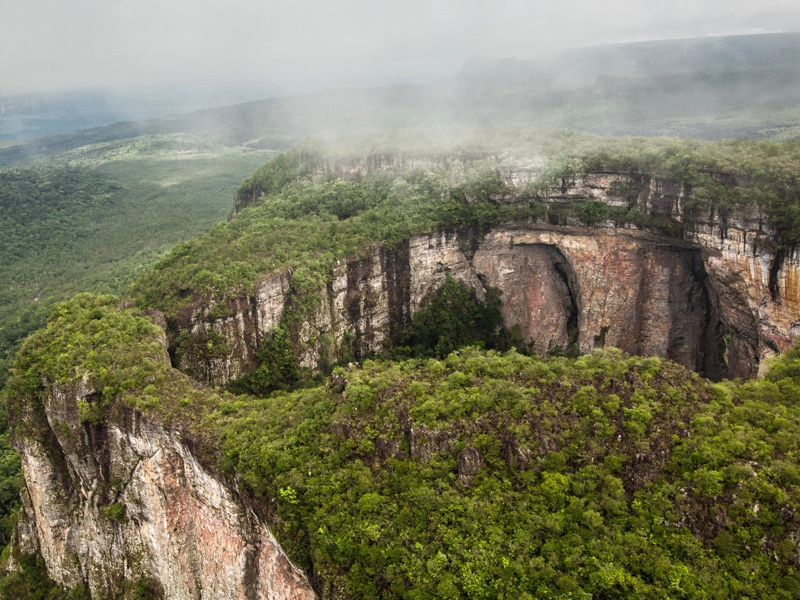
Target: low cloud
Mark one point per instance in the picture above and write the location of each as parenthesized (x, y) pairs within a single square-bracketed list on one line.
[(295, 46)]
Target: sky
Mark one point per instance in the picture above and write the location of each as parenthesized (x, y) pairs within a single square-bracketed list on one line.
[(298, 45)]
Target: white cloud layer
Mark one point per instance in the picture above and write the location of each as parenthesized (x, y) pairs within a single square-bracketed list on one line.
[(302, 44)]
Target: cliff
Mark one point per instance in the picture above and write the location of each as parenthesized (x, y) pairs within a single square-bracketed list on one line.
[(114, 499), (710, 288)]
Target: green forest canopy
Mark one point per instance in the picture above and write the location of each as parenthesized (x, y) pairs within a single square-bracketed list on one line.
[(482, 474)]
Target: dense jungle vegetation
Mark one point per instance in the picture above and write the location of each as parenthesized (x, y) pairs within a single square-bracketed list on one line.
[(94, 219), (726, 176), (599, 476), (480, 474)]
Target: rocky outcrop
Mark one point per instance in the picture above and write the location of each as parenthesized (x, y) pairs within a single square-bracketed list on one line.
[(716, 295), (124, 500)]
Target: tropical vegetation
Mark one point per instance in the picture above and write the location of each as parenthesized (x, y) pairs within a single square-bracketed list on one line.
[(480, 474)]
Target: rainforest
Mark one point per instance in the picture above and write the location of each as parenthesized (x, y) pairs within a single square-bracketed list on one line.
[(527, 331)]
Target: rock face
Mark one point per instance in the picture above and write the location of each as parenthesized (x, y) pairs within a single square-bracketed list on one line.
[(125, 501), (717, 298), (625, 289)]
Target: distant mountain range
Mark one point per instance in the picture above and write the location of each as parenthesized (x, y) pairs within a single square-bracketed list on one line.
[(740, 86)]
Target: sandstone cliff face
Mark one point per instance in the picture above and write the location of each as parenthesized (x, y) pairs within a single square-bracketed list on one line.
[(718, 299), (125, 500), (565, 286), (752, 281)]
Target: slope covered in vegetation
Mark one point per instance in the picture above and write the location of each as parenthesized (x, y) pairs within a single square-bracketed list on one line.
[(93, 220), (482, 474), (306, 219)]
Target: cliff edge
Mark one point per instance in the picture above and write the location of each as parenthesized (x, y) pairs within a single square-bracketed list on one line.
[(114, 500)]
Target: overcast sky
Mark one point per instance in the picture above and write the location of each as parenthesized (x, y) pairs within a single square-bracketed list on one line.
[(296, 45)]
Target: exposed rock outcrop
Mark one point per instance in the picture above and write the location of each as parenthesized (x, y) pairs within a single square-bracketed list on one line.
[(718, 297), (124, 500)]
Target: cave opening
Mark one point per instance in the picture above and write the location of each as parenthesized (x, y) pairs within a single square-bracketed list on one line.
[(567, 282)]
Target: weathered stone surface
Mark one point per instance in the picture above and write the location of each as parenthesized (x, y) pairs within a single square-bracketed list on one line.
[(469, 463), (626, 288), (124, 500), (537, 284), (718, 300), (241, 325)]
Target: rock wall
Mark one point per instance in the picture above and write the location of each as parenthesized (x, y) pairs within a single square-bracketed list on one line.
[(627, 289), (125, 500), (564, 287), (719, 299)]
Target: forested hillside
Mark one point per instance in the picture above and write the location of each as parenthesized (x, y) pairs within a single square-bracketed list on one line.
[(92, 220), (479, 475)]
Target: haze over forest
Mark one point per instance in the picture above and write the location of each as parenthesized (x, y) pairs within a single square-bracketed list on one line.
[(100, 63)]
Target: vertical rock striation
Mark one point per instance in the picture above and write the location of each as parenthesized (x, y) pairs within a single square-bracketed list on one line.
[(718, 298), (124, 500)]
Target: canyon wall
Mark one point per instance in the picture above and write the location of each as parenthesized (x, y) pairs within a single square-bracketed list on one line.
[(718, 298)]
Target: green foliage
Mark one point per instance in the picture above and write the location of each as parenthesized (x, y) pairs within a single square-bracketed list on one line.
[(723, 177), (115, 512), (306, 222), (89, 338), (591, 212), (144, 589), (785, 367), (274, 176), (32, 582), (308, 225), (277, 366), (10, 481), (92, 221), (600, 476), (201, 346), (591, 469), (452, 317)]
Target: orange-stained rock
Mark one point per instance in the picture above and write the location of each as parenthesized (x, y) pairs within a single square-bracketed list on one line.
[(181, 527)]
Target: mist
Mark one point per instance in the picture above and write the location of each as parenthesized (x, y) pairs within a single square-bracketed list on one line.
[(379, 65), (280, 48)]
